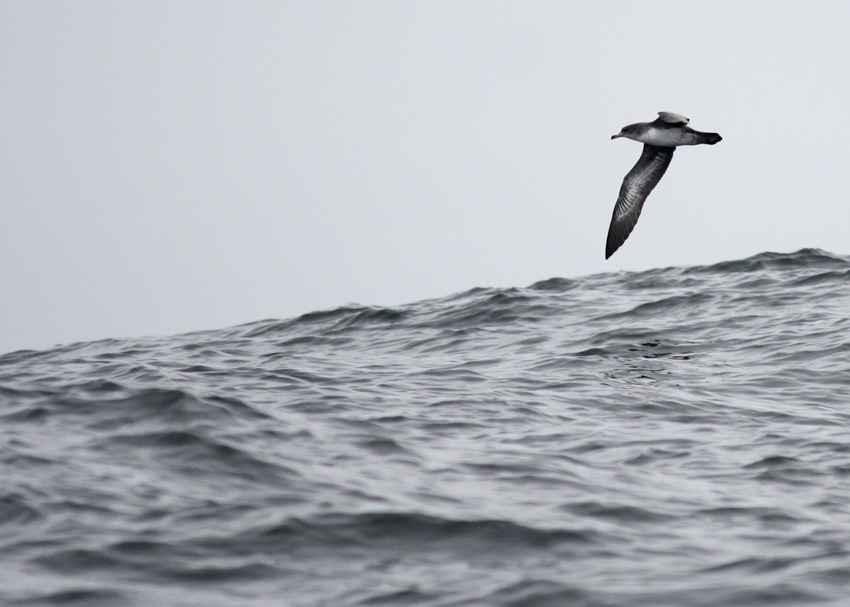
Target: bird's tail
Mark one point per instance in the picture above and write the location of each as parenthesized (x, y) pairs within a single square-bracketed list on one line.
[(709, 138)]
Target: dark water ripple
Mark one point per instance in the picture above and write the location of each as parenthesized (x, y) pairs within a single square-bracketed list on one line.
[(676, 437)]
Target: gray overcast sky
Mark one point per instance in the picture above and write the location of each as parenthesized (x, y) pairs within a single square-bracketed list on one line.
[(174, 166)]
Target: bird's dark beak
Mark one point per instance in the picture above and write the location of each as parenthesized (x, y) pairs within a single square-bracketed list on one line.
[(620, 134)]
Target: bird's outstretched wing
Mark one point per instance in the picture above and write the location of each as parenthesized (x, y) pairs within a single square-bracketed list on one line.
[(637, 185)]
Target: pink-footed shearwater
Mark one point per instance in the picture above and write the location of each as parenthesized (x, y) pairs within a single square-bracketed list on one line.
[(660, 138)]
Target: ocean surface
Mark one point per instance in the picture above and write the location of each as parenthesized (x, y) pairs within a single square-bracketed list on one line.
[(676, 437)]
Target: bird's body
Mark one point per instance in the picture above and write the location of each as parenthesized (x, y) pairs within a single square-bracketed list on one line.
[(660, 138)]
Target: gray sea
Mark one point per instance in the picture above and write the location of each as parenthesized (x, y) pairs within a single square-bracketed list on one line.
[(675, 437)]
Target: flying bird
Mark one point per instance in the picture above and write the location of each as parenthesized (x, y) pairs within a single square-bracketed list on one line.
[(660, 138)]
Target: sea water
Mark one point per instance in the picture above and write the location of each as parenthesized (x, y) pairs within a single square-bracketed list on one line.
[(675, 437)]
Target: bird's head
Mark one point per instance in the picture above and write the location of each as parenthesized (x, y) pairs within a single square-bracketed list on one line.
[(627, 131)]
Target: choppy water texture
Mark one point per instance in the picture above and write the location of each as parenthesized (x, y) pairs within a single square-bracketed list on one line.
[(672, 437)]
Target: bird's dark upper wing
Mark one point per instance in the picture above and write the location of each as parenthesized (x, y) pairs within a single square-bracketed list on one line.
[(637, 185), (673, 119)]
